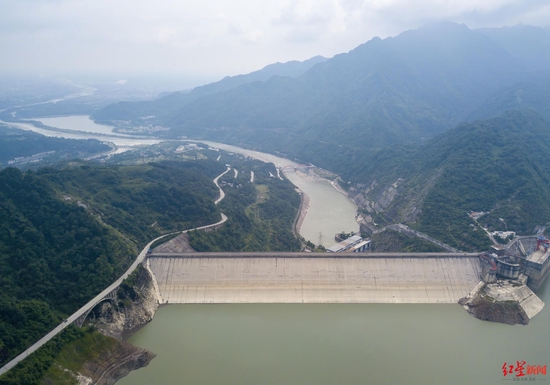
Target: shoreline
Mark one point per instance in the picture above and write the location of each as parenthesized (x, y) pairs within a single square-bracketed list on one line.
[(302, 213), (338, 188)]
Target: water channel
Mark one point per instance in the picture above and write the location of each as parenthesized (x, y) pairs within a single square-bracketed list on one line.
[(82, 127), (256, 344), (330, 211)]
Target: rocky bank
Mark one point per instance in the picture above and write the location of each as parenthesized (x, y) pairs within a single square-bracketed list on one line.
[(135, 306), (505, 301), (113, 364)]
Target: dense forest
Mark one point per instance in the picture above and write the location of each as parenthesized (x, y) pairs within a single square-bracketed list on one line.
[(67, 233), (15, 143), (261, 214), (497, 166), (143, 201), (54, 256)]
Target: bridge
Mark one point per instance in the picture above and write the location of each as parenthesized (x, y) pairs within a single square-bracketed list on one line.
[(111, 296), (300, 167)]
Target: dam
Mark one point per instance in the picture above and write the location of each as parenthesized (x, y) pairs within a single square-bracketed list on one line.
[(312, 278)]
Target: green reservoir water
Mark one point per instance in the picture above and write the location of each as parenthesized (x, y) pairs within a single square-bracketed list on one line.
[(315, 344), (261, 344)]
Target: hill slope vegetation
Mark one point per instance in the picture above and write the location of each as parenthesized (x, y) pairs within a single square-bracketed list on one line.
[(498, 166), (403, 89)]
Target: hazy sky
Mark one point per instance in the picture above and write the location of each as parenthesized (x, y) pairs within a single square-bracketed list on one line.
[(219, 37)]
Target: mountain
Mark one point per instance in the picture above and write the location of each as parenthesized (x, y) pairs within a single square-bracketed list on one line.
[(498, 166), (528, 44), (403, 89), (291, 69), (170, 103), (68, 233)]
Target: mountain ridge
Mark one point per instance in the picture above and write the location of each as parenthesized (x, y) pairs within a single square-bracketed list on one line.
[(497, 166), (402, 89)]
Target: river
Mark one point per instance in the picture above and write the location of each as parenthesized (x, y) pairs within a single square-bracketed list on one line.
[(330, 211), (82, 127), (303, 344)]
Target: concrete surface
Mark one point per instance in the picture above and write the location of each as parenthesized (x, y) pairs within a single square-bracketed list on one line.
[(314, 280), (505, 290)]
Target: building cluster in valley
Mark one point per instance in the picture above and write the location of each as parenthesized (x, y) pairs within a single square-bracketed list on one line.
[(30, 159), (527, 256), (355, 243), (510, 277)]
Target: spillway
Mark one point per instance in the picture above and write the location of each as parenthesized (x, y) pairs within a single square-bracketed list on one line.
[(313, 280)]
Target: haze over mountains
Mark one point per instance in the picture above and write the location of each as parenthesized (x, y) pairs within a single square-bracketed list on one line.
[(403, 89), (381, 117), (424, 128)]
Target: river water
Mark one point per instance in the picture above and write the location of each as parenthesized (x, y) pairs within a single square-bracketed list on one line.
[(330, 212), (82, 127), (303, 344)]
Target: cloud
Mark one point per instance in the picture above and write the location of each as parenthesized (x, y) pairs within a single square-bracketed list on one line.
[(305, 13), (306, 21), (399, 14), (220, 36)]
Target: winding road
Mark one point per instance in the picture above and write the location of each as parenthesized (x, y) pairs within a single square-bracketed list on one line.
[(93, 302)]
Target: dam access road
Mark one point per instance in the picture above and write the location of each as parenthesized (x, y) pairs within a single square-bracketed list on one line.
[(79, 316)]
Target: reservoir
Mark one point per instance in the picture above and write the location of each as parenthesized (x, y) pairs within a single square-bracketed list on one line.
[(303, 344), (322, 344)]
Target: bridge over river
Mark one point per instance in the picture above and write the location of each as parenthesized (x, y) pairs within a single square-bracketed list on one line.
[(313, 277)]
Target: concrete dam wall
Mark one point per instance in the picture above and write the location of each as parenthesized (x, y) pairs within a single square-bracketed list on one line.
[(314, 280)]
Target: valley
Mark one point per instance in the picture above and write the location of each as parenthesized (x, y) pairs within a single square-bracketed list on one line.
[(427, 144)]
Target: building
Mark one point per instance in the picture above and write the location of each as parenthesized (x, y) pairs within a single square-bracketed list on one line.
[(354, 243)]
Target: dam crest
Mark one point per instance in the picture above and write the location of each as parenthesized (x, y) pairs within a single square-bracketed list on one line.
[(313, 277)]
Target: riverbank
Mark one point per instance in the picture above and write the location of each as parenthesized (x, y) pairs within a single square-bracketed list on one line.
[(335, 184), (305, 204), (505, 301), (96, 359)]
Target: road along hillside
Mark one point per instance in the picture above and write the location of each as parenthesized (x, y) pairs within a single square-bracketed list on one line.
[(98, 298)]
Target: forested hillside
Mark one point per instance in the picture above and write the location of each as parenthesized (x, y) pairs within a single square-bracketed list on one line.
[(16, 143), (54, 256), (144, 201), (403, 89), (66, 234), (261, 214), (499, 166)]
